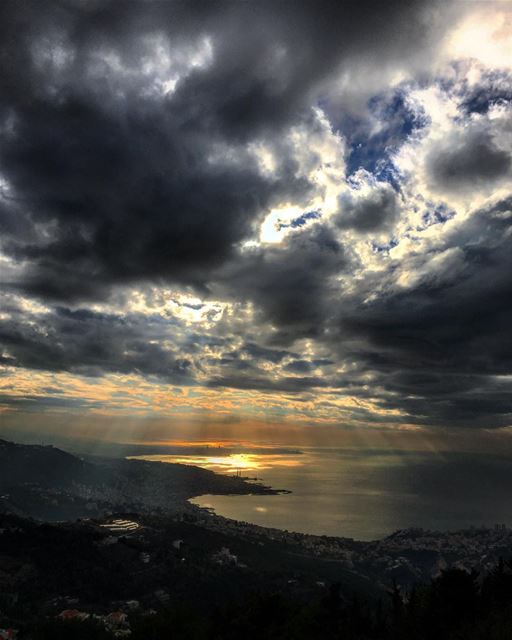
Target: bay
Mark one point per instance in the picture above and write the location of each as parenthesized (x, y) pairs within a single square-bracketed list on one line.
[(360, 493)]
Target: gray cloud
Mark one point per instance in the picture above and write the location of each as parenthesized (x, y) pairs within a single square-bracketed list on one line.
[(439, 349), (374, 212), (468, 160), (112, 180), (443, 347), (93, 344), (288, 283), (127, 137)]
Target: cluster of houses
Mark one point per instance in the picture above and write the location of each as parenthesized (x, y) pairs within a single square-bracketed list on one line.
[(225, 557), (116, 622)]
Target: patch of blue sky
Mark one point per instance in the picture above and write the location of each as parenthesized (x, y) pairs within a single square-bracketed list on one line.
[(300, 221), (373, 151), (495, 88), (386, 171), (384, 247), (435, 214)]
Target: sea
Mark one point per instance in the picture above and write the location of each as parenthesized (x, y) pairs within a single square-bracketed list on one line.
[(363, 494)]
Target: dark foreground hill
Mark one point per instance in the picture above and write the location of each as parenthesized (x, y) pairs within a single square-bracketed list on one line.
[(43, 465), (170, 579), (48, 483)]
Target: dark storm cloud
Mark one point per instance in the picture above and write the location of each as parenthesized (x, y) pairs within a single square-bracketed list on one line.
[(92, 344), (110, 180), (264, 383), (38, 403), (439, 349), (299, 366), (444, 349), (289, 283), (262, 353), (374, 212), (133, 200), (494, 88), (468, 161), (127, 137)]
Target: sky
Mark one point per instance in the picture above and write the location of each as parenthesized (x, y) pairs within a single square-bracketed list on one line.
[(243, 219)]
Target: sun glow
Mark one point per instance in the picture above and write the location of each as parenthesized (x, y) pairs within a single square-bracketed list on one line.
[(485, 36), (229, 463)]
